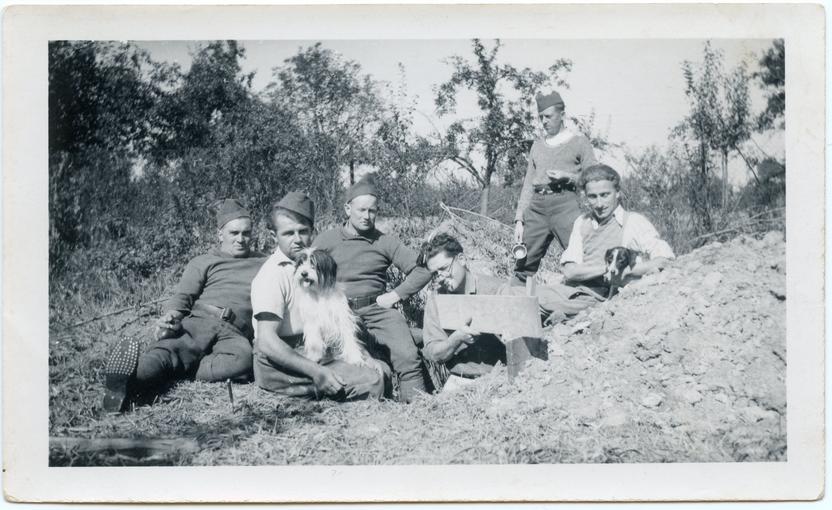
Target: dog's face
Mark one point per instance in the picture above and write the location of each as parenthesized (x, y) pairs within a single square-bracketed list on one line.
[(315, 269), (617, 260)]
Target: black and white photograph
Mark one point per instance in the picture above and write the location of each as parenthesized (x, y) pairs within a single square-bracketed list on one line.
[(485, 250)]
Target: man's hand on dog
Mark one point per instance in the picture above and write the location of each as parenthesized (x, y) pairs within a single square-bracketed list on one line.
[(388, 299), (328, 381), (169, 324)]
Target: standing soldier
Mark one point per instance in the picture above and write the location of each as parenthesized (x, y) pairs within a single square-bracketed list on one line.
[(548, 202)]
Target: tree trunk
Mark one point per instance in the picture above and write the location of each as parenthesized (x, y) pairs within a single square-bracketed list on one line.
[(486, 188), (352, 172), (724, 180), (484, 199)]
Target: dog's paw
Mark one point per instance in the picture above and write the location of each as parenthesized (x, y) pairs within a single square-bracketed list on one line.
[(313, 354), (354, 357)]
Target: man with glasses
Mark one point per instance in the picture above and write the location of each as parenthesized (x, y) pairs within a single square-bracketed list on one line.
[(463, 354)]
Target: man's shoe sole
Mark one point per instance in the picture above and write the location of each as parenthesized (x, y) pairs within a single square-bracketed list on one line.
[(121, 366)]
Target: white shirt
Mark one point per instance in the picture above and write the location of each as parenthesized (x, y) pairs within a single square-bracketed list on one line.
[(563, 136), (272, 291), (639, 234)]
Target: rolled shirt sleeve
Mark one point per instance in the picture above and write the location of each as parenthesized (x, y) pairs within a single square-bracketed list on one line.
[(268, 291), (574, 251), (641, 235), (431, 330)]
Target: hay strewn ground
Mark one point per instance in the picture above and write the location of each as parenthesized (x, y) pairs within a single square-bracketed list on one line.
[(685, 366)]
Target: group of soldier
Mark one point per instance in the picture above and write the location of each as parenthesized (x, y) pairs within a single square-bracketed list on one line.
[(235, 317)]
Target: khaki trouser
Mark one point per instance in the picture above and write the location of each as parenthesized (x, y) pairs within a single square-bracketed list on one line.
[(208, 349), (547, 218), (360, 382)]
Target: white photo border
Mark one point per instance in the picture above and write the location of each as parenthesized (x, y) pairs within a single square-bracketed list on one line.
[(27, 475)]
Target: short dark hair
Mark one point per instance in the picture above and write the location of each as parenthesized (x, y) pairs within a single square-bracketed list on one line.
[(439, 243), (600, 172), (280, 211)]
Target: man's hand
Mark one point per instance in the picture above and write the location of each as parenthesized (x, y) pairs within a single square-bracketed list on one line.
[(168, 324), (327, 381), (388, 299), (464, 336), (518, 232), (558, 174)]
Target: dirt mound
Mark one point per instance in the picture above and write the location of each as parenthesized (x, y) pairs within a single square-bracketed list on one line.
[(698, 349)]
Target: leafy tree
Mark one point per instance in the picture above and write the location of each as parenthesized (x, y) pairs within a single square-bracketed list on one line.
[(772, 78), (333, 103), (102, 93), (213, 86), (403, 158), (719, 121), (101, 102), (495, 139)]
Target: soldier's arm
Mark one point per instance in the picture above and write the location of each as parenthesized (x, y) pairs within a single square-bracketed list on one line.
[(189, 287), (582, 272), (405, 261), (440, 347), (525, 192)]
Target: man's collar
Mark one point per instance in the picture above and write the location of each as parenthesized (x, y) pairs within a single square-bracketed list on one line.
[(563, 136), (470, 282), (281, 257), (618, 214), (372, 235), (219, 253)]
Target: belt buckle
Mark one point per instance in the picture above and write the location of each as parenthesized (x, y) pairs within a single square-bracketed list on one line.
[(226, 314)]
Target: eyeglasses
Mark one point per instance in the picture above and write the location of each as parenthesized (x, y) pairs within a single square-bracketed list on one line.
[(446, 271)]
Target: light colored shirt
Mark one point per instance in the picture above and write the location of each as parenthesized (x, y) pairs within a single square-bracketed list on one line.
[(638, 234), (272, 291)]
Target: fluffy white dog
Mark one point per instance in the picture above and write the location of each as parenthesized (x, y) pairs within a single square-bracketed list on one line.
[(329, 326)]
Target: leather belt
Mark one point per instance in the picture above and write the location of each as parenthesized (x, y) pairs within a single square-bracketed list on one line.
[(362, 301), (552, 187), (225, 314)]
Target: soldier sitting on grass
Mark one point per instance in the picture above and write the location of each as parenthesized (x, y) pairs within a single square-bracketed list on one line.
[(279, 363), (607, 226), (206, 332)]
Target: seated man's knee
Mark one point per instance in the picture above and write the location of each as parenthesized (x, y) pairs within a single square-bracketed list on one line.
[(221, 366)]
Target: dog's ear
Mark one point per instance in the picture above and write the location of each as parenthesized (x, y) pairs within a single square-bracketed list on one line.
[(608, 256), (633, 256), (326, 267)]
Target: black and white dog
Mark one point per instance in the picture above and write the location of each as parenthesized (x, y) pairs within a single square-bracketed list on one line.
[(329, 326), (617, 260)]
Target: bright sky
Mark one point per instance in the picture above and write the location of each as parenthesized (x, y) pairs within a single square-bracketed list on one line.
[(636, 87)]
